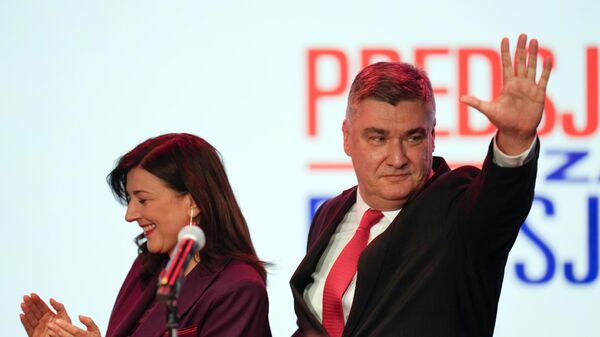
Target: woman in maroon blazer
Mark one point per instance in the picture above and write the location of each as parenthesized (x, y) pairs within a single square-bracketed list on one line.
[(168, 182)]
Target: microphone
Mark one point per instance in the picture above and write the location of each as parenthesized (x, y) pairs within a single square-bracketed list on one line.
[(189, 240)]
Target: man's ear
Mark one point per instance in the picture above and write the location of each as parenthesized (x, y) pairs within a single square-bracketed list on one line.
[(346, 133), (433, 135)]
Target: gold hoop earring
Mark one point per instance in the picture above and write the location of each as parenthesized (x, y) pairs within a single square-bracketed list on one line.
[(191, 216)]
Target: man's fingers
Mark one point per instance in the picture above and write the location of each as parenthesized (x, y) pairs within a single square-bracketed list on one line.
[(484, 107), (473, 102), (532, 60), (521, 55), (507, 68), (545, 73)]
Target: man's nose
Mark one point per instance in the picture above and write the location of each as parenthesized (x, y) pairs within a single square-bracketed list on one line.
[(396, 156)]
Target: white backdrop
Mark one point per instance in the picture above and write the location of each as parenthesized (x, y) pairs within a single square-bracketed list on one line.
[(82, 82)]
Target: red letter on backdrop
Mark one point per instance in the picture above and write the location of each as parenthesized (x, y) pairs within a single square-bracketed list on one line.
[(422, 54), (592, 99), (420, 57), (464, 126), (314, 92), (368, 54)]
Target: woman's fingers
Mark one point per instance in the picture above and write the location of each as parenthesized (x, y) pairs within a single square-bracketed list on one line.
[(90, 325), (61, 312), (27, 325)]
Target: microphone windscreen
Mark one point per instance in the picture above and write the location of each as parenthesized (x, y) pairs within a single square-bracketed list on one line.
[(194, 233)]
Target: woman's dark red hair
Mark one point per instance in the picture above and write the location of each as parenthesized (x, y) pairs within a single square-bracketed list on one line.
[(189, 164)]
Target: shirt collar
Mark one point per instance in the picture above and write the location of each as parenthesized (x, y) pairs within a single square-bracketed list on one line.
[(362, 207)]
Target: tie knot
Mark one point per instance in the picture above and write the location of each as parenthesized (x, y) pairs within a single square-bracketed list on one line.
[(371, 217)]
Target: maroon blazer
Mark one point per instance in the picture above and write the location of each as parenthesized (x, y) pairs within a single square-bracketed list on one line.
[(437, 269), (230, 301)]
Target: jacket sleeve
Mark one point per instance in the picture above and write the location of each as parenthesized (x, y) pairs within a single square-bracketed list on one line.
[(494, 206)]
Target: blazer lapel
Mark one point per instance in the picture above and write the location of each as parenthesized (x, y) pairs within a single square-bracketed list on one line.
[(193, 287), (135, 296)]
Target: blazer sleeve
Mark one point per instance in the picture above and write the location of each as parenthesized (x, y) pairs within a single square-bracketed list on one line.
[(494, 206)]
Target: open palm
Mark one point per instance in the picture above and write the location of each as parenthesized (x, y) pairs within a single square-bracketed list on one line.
[(517, 111)]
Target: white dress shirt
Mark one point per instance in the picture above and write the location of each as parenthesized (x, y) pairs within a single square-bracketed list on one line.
[(313, 294)]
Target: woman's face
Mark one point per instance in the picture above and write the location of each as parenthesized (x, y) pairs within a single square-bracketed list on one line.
[(159, 210)]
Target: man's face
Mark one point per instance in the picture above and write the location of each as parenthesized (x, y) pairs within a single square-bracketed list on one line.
[(391, 149)]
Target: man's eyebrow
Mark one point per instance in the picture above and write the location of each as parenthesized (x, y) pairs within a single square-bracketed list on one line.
[(416, 130), (376, 130), (419, 129)]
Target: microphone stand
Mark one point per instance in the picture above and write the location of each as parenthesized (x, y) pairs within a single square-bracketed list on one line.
[(169, 295), (172, 317)]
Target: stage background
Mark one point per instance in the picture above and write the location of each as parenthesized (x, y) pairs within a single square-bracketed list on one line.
[(82, 82)]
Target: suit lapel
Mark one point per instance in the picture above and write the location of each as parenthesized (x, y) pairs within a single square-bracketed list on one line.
[(324, 230), (373, 257), (323, 227)]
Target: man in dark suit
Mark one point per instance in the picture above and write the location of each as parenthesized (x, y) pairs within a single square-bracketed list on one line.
[(417, 249)]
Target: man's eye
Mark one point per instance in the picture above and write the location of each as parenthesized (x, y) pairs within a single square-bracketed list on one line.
[(142, 201), (377, 139), (415, 139)]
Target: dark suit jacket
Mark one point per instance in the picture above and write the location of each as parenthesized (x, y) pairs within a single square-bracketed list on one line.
[(231, 301), (437, 269)]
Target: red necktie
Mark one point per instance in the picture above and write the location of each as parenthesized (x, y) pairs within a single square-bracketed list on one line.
[(342, 272)]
